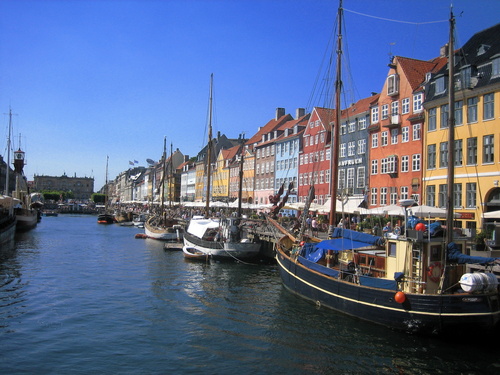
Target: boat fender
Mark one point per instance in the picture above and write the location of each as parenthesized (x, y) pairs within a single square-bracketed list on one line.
[(435, 271), (400, 297), (141, 235)]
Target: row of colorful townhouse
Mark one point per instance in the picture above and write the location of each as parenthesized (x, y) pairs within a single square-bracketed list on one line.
[(393, 145)]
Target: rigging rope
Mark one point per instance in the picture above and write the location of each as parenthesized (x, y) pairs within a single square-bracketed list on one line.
[(393, 20)]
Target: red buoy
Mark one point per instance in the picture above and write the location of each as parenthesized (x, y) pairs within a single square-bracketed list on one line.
[(420, 227), (400, 297), (141, 235)]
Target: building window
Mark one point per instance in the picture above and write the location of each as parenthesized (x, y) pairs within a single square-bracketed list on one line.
[(488, 106), (351, 148), (489, 149), (350, 178), (431, 156), (415, 163), (405, 104), (417, 102), (375, 140), (417, 132), (385, 111), (457, 195), (405, 163), (395, 108), (470, 195), (404, 192), (374, 169), (360, 182), (384, 138), (388, 165), (394, 136), (430, 195), (495, 67), (472, 110), (342, 150), (443, 195), (440, 85), (392, 84), (373, 196), (458, 153), (383, 196), (374, 115), (362, 123), (352, 126), (341, 182), (472, 151), (444, 116), (459, 120), (432, 119), (361, 146), (393, 195), (443, 155), (405, 134)]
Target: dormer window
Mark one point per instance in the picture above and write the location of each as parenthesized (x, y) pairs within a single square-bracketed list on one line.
[(495, 68), (440, 85), (393, 84)]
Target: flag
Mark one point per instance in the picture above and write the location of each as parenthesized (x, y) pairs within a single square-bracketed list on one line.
[(136, 162), (131, 163)]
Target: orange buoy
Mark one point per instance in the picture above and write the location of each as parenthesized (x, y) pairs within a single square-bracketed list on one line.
[(400, 297), (420, 227), (141, 235)]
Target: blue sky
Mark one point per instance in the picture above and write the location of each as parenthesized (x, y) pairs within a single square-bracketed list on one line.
[(89, 78)]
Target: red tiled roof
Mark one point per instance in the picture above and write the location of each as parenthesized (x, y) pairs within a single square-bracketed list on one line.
[(269, 127)]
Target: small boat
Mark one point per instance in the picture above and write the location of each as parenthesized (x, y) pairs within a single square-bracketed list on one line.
[(219, 238), (160, 226), (105, 219), (192, 253), (50, 213), (222, 238)]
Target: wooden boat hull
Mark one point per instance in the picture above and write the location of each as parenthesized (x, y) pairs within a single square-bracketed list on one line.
[(174, 233), (420, 313), (222, 250), (26, 219), (7, 231), (105, 219), (192, 253)]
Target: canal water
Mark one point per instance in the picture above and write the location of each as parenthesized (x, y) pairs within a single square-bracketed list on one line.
[(81, 298)]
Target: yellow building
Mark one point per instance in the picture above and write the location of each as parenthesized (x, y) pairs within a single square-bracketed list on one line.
[(477, 131)]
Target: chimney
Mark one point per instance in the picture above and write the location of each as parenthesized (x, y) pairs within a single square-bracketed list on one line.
[(218, 134), (280, 112), (299, 113), (443, 51)]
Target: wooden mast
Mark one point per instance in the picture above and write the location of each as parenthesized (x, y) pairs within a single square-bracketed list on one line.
[(240, 176), (209, 148), (335, 141), (7, 166), (451, 134)]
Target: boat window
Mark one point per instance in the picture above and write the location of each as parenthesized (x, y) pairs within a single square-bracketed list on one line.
[(435, 253), (392, 249)]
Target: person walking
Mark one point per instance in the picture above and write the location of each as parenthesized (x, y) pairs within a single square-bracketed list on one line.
[(314, 225)]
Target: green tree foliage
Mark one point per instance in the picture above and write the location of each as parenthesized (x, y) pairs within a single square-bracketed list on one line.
[(98, 198)]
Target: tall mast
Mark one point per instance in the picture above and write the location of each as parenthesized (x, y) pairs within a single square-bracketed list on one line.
[(164, 175), (171, 180), (451, 133), (334, 144), (209, 147), (240, 182), (8, 155)]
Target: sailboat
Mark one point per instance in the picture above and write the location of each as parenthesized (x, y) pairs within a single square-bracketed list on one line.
[(221, 238), (161, 226), (7, 217), (106, 217), (408, 283)]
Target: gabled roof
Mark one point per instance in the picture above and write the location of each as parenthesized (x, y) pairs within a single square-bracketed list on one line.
[(269, 127), (415, 70), (362, 105), (481, 46)]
